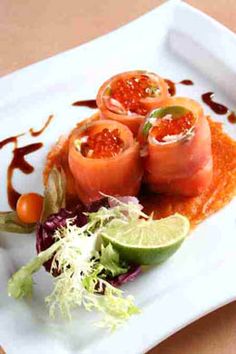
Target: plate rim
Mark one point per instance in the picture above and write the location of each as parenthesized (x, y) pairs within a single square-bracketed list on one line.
[(167, 4), (26, 71)]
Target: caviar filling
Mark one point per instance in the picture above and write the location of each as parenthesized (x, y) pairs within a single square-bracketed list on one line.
[(104, 144), (129, 92), (169, 123)]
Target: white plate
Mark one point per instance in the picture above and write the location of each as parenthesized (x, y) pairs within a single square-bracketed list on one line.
[(178, 42)]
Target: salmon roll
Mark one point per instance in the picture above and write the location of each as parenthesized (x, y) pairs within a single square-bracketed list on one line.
[(178, 156), (129, 96), (104, 158)]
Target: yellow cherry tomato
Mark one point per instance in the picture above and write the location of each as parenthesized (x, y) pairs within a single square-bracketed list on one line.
[(29, 207)]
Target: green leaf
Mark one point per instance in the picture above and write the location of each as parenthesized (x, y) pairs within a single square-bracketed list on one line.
[(79, 283), (110, 260), (175, 111), (54, 194), (21, 283), (113, 305), (147, 126), (107, 92), (9, 222)]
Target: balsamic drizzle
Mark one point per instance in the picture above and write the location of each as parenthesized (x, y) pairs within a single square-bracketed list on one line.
[(38, 132), (172, 85), (86, 103), (18, 162)]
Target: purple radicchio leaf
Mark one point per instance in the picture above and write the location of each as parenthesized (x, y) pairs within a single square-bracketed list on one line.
[(121, 279), (46, 230)]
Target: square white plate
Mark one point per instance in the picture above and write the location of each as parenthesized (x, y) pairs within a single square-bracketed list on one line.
[(178, 42)]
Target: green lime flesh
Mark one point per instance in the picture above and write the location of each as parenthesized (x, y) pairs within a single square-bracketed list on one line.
[(147, 242)]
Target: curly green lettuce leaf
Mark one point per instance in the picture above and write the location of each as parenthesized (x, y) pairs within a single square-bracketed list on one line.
[(21, 283), (80, 283), (110, 260), (120, 210), (72, 290), (115, 308)]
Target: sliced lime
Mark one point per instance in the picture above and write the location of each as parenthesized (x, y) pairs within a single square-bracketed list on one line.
[(147, 241)]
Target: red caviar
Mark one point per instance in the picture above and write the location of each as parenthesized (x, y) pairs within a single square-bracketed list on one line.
[(106, 143), (172, 126), (129, 92)]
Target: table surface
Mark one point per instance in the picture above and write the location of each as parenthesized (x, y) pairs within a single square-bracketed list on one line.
[(33, 30)]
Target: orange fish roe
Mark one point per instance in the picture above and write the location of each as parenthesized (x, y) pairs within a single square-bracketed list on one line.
[(172, 126), (106, 143), (217, 195), (129, 92)]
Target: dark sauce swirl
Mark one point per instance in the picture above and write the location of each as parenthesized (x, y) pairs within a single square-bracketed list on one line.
[(218, 108), (18, 162), (172, 85), (86, 103), (35, 133)]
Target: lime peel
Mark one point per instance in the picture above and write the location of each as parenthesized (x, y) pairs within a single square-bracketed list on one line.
[(147, 241)]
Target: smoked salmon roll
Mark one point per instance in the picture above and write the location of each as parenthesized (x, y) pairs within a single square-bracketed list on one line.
[(129, 96), (178, 152), (104, 157)]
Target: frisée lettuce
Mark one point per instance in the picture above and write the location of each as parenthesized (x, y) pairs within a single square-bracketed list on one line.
[(84, 265)]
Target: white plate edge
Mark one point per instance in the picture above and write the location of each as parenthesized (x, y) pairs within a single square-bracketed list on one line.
[(61, 54), (135, 344)]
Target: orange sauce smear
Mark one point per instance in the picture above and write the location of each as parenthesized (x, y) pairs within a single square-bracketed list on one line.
[(218, 194), (129, 92), (104, 144), (164, 127)]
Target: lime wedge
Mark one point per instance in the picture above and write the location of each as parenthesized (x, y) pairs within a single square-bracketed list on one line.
[(149, 241)]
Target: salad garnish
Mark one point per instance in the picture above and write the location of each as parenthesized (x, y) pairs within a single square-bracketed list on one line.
[(84, 266), (10, 222), (23, 220), (87, 267), (54, 194)]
